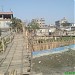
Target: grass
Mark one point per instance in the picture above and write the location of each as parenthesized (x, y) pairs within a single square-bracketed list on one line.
[(57, 40), (60, 62)]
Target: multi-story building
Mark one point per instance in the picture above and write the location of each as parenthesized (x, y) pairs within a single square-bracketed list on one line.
[(59, 22), (5, 19), (44, 30), (40, 21), (63, 24)]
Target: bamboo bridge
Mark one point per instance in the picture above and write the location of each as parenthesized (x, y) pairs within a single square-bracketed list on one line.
[(16, 51), (15, 58)]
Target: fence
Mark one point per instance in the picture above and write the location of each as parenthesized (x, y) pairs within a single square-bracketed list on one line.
[(44, 43), (5, 40)]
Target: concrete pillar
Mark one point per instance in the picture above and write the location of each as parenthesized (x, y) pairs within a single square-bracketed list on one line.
[(11, 16), (2, 16)]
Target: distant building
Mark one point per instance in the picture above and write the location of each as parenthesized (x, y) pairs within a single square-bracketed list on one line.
[(59, 22), (63, 24), (40, 21), (42, 32), (46, 30), (73, 27), (5, 19)]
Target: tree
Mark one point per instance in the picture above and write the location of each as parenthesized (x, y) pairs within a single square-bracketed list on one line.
[(32, 26), (66, 24), (16, 24)]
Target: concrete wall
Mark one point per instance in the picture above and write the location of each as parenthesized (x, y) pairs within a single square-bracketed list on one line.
[(42, 32), (4, 24)]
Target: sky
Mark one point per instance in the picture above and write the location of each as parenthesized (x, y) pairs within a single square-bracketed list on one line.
[(51, 10)]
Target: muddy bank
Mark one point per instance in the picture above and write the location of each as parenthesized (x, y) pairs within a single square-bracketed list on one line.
[(55, 63)]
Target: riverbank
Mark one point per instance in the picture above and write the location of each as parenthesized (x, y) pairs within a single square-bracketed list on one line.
[(53, 51), (55, 64)]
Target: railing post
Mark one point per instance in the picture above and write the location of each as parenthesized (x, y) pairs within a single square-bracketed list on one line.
[(10, 38), (3, 45), (15, 72)]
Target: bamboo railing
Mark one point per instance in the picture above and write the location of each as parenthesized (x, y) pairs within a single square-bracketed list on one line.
[(5, 40)]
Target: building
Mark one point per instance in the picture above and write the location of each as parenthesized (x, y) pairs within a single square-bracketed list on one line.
[(43, 31), (5, 19), (46, 30), (73, 27), (59, 22), (63, 24), (40, 21)]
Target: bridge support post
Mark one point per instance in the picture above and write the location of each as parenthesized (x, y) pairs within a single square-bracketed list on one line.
[(13, 72), (3, 45), (10, 38)]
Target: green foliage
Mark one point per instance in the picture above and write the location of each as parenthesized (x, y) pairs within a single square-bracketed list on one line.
[(33, 26), (66, 24), (16, 23)]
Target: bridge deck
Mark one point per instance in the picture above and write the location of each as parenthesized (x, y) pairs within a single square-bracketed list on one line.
[(16, 57)]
